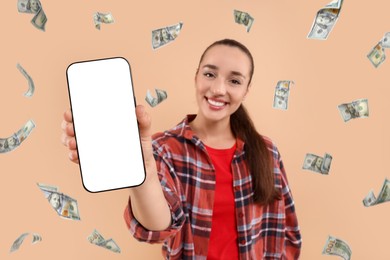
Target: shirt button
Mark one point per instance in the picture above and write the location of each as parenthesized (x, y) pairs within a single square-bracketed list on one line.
[(240, 215), (236, 188), (242, 242)]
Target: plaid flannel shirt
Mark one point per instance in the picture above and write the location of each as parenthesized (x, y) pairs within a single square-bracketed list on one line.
[(187, 178)]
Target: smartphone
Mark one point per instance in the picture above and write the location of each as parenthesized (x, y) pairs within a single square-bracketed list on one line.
[(108, 141)]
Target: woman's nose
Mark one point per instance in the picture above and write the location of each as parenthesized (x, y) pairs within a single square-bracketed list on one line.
[(218, 88)]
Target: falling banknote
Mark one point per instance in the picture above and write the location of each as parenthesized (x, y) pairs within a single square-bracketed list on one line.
[(64, 205), (282, 92), (243, 18), (335, 246), (152, 101), (18, 242), (97, 239), (31, 87), (384, 195), (377, 54), (11, 143), (165, 35), (386, 40), (356, 109), (99, 18), (33, 7), (325, 20), (317, 164)]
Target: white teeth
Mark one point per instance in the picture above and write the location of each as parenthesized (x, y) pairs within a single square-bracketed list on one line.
[(215, 103)]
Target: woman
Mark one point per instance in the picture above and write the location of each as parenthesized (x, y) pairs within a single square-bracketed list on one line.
[(215, 188)]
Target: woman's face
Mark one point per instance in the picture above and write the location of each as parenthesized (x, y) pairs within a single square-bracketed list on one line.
[(222, 82)]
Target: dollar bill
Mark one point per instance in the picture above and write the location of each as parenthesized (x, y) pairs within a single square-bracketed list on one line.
[(65, 206), (244, 19), (165, 35), (325, 166), (154, 101), (47, 187), (336, 246), (97, 239), (384, 195), (377, 55), (325, 20), (11, 143), (356, 109), (282, 92), (31, 87), (34, 7), (317, 163), (386, 40), (99, 18), (36, 238), (175, 29), (110, 245), (18, 242)]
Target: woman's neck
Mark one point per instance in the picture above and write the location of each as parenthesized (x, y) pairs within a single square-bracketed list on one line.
[(214, 134)]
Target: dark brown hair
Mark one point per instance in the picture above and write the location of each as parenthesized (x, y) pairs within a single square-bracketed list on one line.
[(259, 158)]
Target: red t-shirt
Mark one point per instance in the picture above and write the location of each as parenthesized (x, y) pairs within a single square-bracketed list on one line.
[(223, 237)]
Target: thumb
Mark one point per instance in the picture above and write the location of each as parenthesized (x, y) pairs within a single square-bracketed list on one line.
[(144, 122)]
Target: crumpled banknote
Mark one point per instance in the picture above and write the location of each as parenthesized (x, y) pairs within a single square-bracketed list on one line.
[(325, 20), (97, 239), (64, 205), (165, 35), (336, 246), (244, 19), (31, 86), (34, 7), (282, 92), (317, 163), (10, 143), (99, 18), (18, 242), (377, 54), (356, 109), (154, 101), (384, 195)]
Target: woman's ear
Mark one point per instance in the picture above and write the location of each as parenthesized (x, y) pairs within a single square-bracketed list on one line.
[(196, 74), (247, 90)]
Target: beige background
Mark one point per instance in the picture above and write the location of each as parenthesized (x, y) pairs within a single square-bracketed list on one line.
[(326, 74)]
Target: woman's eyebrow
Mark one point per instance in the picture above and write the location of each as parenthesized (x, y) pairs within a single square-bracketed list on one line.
[(211, 66)]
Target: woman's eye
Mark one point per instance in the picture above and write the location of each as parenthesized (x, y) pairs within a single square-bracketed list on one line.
[(208, 74), (235, 82)]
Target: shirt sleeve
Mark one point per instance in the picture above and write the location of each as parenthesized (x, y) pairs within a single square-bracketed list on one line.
[(169, 183), (293, 241)]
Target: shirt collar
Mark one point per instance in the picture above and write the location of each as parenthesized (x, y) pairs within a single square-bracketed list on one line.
[(184, 129)]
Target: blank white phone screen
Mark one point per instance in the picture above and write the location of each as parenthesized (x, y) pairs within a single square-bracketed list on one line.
[(105, 124)]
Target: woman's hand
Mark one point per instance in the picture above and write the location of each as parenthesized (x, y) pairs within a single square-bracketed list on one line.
[(67, 137)]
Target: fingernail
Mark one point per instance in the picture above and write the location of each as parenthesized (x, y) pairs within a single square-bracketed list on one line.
[(71, 155)]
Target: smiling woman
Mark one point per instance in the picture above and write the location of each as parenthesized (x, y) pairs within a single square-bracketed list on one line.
[(224, 182), (215, 188)]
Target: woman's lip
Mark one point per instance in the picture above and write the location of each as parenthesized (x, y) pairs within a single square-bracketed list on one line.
[(216, 100)]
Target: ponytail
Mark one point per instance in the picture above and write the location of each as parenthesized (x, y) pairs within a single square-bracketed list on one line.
[(259, 158)]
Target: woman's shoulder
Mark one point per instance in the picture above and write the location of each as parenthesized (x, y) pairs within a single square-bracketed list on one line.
[(269, 142), (176, 136)]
